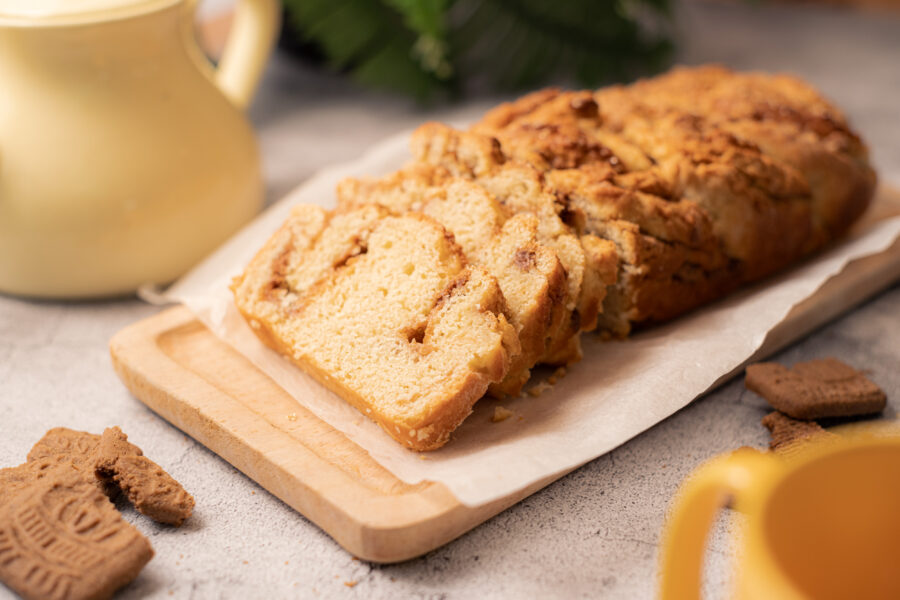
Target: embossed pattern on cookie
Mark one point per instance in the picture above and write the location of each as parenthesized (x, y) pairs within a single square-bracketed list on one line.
[(77, 449), (61, 539), (15, 479)]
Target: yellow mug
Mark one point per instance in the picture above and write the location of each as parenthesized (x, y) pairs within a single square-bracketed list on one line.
[(823, 522)]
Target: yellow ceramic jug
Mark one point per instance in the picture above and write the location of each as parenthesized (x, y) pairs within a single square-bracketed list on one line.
[(822, 523), (124, 156)]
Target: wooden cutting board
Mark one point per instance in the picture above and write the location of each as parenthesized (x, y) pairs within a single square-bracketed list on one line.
[(178, 368)]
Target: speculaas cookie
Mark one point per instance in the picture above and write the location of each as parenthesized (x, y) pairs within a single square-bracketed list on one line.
[(152, 491), (787, 432), (113, 464), (815, 389), (62, 539)]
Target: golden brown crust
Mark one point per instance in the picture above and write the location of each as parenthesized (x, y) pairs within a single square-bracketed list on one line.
[(704, 178)]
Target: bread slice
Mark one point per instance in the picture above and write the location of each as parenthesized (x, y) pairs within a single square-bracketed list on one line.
[(530, 275), (590, 262), (384, 311)]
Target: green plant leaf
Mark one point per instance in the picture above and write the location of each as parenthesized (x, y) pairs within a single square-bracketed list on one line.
[(369, 39), (423, 16), (425, 47)]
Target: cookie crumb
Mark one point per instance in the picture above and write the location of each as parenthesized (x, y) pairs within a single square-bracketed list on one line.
[(501, 414), (292, 417), (787, 432), (350, 584)]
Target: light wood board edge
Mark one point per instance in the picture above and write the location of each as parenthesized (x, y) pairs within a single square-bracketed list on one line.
[(374, 526)]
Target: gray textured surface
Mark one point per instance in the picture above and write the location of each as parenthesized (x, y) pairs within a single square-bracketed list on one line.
[(593, 533)]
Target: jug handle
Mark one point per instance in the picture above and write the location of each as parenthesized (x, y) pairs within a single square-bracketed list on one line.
[(249, 44), (702, 495)]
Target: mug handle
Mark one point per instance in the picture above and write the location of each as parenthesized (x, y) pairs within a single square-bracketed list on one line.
[(702, 495), (249, 44)]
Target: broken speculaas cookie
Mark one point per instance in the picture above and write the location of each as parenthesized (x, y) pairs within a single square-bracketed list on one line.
[(62, 539), (153, 492), (815, 389), (112, 463), (787, 432)]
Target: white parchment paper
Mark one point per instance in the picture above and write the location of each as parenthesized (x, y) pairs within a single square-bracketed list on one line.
[(617, 391)]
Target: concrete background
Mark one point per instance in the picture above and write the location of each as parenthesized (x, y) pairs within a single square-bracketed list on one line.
[(595, 532)]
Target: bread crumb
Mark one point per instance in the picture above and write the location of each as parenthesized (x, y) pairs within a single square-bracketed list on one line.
[(501, 414), (292, 417), (350, 583), (423, 457), (557, 375), (539, 388)]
